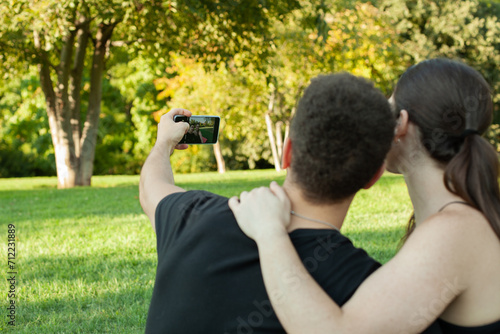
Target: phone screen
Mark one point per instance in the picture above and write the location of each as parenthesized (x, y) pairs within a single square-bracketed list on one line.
[(202, 129)]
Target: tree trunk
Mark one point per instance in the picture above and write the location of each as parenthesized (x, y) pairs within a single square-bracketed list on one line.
[(287, 129), (57, 109), (89, 133), (270, 135), (75, 88), (279, 138), (277, 164), (74, 150), (221, 165), (287, 122)]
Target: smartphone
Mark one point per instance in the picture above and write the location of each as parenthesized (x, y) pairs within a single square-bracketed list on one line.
[(202, 129)]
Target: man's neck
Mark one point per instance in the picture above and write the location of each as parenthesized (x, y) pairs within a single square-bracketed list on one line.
[(333, 214)]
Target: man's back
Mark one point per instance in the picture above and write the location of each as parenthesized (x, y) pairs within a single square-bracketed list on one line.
[(208, 277)]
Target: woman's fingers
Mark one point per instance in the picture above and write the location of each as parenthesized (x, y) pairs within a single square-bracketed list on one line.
[(233, 203), (278, 191), (262, 212)]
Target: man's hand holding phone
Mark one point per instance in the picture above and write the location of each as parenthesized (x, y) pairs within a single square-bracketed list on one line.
[(170, 133)]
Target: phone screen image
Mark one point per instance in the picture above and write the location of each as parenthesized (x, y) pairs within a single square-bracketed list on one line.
[(202, 129)]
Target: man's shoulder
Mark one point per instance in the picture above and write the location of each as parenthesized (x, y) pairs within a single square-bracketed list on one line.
[(191, 196), (333, 261), (336, 247), (177, 210), (334, 238)]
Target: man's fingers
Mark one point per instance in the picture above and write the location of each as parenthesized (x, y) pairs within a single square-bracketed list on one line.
[(181, 146), (178, 111), (185, 125)]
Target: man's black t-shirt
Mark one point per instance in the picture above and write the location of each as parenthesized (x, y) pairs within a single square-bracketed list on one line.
[(208, 277)]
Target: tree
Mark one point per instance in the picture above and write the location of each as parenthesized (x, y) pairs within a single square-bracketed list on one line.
[(467, 30), (224, 92), (57, 35), (331, 36), (254, 101)]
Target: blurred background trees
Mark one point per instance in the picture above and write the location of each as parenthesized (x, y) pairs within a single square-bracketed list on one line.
[(72, 40), (245, 61)]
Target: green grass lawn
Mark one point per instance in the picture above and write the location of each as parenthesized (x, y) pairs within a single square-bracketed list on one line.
[(207, 133), (86, 257)]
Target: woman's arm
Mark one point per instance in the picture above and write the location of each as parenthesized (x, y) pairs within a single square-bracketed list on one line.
[(404, 296), (299, 302)]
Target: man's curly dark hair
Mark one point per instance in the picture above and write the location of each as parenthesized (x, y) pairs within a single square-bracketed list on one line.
[(340, 135)]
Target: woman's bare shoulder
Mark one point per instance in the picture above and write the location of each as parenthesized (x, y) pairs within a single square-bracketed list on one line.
[(459, 221), (460, 235)]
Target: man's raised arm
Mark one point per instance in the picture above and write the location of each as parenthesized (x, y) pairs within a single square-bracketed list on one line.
[(157, 179)]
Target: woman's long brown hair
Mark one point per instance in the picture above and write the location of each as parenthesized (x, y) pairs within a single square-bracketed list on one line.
[(451, 104)]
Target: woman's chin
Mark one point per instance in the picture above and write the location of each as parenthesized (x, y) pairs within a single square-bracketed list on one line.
[(391, 169)]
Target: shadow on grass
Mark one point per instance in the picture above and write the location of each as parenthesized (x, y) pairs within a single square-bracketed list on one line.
[(90, 268), (97, 293)]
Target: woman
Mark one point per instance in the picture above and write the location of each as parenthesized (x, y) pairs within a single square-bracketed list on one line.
[(198, 134), (449, 265)]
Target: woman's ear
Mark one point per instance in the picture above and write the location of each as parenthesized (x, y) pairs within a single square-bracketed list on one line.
[(286, 159), (401, 125)]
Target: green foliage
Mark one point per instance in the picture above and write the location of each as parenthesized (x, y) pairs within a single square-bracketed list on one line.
[(494, 136), (127, 128), (356, 38), (310, 41), (25, 142), (197, 158), (210, 30), (467, 30), (227, 92), (229, 58), (44, 33)]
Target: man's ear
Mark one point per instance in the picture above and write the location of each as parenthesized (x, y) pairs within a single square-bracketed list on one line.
[(375, 177), (286, 159), (401, 125)]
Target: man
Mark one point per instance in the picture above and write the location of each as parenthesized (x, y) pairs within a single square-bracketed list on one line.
[(208, 277)]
